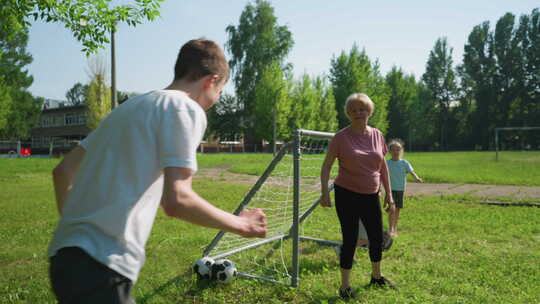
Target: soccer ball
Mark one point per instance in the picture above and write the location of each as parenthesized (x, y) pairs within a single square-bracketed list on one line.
[(223, 271), (203, 268)]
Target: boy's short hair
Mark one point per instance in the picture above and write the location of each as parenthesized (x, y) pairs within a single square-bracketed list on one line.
[(396, 142), (363, 98), (198, 58)]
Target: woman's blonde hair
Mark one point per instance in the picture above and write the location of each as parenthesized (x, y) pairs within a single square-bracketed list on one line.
[(361, 97)]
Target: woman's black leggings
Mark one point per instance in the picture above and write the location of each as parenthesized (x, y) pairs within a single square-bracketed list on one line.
[(352, 207)]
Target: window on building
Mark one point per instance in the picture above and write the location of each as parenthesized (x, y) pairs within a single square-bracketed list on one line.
[(82, 119), (71, 119), (47, 121), (59, 120)]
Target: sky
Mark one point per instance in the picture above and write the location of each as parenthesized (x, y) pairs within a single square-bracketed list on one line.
[(395, 32)]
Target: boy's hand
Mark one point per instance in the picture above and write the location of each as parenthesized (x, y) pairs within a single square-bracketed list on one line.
[(255, 222), (419, 180), (325, 200), (389, 205)]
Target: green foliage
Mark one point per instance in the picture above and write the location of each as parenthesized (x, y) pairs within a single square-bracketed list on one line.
[(356, 73), (304, 107), (5, 104), (257, 42), (99, 95), (19, 110), (500, 75), (89, 21), (403, 92), (224, 119), (440, 80), (78, 94), (312, 105), (23, 116), (14, 57), (326, 118), (272, 102)]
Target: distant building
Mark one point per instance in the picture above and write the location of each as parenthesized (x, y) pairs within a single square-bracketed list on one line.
[(64, 125)]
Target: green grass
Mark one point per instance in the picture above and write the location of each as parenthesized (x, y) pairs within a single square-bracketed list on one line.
[(447, 252), (513, 168)]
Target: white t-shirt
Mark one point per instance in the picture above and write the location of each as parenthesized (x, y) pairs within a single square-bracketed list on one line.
[(111, 208)]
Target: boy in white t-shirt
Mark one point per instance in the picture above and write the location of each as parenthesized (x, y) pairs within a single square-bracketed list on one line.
[(398, 169), (141, 156)]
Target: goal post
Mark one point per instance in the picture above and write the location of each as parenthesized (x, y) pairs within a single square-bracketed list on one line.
[(497, 130), (288, 192)]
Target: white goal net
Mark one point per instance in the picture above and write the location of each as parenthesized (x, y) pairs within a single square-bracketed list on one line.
[(288, 192)]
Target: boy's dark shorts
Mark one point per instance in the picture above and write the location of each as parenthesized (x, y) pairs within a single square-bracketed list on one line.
[(77, 278), (398, 198)]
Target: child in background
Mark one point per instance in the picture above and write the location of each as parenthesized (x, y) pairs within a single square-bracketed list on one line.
[(398, 169)]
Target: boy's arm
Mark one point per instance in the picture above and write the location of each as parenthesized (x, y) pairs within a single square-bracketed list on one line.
[(180, 201), (418, 179), (64, 174)]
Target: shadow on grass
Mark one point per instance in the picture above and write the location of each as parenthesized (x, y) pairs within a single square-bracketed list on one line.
[(185, 278), (362, 294)]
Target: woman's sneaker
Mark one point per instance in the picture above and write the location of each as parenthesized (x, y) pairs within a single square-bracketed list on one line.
[(347, 293), (381, 282)]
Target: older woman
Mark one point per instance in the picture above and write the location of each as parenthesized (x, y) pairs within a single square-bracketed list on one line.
[(360, 150)]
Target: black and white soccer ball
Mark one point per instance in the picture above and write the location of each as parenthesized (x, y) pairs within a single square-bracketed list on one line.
[(203, 268), (224, 271)]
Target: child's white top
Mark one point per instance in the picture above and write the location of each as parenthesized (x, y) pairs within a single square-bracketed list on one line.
[(398, 170), (111, 208)]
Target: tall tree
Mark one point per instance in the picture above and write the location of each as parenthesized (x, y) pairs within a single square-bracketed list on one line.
[(256, 42), (78, 94), (99, 94), (479, 68), (326, 118), (272, 104), (225, 119), (20, 110), (24, 115), (403, 91), (440, 79), (529, 35), (5, 105), (90, 21), (354, 72), (422, 135), (506, 50), (304, 105)]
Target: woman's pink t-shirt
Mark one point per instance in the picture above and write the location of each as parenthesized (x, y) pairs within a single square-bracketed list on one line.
[(360, 159)]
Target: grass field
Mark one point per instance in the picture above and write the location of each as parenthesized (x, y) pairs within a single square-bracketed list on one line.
[(446, 253), (513, 168)]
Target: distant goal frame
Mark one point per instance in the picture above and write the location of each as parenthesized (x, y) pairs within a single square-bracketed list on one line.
[(497, 130)]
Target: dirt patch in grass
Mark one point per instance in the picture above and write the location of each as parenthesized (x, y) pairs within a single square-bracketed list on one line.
[(476, 190), (485, 192)]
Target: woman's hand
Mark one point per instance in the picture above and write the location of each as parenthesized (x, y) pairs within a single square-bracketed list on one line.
[(325, 200), (389, 205)]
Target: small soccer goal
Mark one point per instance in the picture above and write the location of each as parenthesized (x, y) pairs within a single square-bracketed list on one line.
[(288, 192), (515, 135)]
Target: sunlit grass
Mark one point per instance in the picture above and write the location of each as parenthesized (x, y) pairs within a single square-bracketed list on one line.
[(513, 168), (446, 252)]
